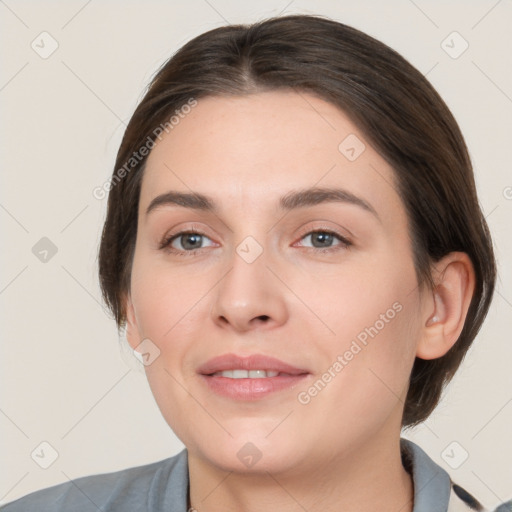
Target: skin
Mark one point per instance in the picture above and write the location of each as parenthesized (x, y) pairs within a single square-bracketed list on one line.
[(341, 450)]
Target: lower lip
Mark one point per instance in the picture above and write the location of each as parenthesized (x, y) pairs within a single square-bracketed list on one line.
[(251, 389)]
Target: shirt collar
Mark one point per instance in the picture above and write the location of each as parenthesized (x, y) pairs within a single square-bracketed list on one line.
[(431, 482), (432, 485)]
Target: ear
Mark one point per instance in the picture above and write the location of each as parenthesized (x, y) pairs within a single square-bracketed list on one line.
[(132, 329), (445, 310)]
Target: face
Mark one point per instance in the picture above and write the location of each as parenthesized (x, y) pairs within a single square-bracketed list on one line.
[(280, 324)]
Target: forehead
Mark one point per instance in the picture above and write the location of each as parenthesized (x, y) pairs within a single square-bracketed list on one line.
[(248, 151)]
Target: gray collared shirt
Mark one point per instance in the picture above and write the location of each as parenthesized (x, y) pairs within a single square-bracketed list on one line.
[(163, 486)]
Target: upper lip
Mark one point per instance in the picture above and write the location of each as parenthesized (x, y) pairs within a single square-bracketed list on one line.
[(252, 362)]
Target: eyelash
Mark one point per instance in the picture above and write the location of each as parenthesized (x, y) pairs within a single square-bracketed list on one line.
[(165, 245)]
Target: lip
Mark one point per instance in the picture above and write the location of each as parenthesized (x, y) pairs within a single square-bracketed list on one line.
[(252, 362), (249, 388)]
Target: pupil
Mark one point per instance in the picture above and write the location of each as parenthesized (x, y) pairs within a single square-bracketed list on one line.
[(194, 239), (322, 237)]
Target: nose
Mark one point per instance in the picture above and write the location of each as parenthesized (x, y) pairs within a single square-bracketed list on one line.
[(249, 297)]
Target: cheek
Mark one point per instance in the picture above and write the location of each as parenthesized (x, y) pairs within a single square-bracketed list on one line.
[(165, 299), (370, 386), (169, 311), (358, 297), (373, 315), (171, 397)]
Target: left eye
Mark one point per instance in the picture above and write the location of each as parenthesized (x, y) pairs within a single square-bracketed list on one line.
[(325, 239)]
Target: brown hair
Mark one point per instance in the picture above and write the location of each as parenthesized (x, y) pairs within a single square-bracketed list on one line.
[(390, 101)]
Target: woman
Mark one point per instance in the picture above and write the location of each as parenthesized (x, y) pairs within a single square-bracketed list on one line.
[(295, 247)]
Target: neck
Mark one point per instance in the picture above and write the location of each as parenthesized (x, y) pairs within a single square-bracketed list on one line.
[(367, 478)]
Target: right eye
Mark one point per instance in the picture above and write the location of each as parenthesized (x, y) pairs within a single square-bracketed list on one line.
[(184, 243)]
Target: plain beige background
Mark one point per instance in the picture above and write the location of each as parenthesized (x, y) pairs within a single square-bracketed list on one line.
[(63, 379)]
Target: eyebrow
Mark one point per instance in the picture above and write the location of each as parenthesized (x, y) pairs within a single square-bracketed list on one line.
[(292, 200)]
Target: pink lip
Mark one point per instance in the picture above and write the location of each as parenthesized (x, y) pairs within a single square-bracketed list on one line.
[(249, 389)]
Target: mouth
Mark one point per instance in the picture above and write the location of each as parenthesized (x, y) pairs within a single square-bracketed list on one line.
[(249, 378), (248, 374)]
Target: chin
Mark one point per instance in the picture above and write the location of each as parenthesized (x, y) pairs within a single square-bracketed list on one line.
[(249, 451), (249, 458)]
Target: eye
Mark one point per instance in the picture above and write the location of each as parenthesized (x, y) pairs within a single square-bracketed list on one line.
[(323, 240), (185, 242)]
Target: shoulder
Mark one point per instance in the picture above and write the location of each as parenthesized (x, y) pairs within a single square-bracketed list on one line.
[(434, 489), (157, 486)]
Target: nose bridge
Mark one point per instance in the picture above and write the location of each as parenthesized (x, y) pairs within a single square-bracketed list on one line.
[(249, 293)]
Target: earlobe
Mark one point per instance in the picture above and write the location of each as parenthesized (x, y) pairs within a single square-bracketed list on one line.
[(446, 312)]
